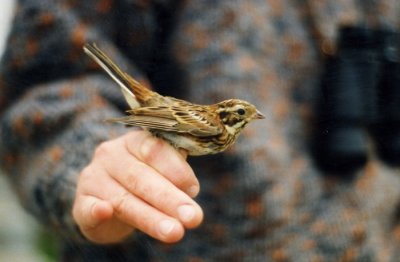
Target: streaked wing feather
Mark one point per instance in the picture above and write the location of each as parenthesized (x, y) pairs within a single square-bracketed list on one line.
[(155, 111), (193, 121), (146, 121), (201, 122)]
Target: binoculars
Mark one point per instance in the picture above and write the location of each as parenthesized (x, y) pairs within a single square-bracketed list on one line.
[(358, 106)]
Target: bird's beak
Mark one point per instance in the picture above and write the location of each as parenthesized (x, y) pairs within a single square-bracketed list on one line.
[(259, 115)]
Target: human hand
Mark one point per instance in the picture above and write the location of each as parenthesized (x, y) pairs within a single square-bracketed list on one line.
[(136, 182)]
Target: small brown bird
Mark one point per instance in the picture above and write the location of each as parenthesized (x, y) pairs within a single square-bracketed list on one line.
[(198, 129)]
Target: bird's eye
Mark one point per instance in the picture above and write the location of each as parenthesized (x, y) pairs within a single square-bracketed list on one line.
[(241, 111)]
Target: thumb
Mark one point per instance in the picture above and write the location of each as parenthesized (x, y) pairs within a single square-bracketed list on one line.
[(90, 211)]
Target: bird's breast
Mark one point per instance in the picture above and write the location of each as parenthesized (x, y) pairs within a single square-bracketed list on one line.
[(195, 146)]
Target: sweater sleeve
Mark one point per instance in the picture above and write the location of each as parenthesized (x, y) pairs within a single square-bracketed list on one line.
[(53, 105)]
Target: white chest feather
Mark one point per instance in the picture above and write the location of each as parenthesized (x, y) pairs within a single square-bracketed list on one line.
[(191, 146)]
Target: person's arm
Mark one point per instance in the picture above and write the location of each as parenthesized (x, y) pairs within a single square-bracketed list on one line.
[(52, 112)]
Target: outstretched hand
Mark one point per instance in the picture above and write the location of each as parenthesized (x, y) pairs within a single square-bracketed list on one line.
[(136, 181)]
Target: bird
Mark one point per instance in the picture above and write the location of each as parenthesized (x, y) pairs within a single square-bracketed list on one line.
[(197, 129)]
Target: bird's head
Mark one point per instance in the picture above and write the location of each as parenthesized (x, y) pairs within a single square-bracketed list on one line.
[(236, 113)]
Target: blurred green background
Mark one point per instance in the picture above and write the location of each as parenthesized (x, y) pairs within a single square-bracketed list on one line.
[(22, 239)]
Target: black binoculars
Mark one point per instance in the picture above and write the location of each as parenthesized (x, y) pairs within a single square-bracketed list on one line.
[(358, 107)]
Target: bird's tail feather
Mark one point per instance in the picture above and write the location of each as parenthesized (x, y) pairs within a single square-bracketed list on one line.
[(133, 91)]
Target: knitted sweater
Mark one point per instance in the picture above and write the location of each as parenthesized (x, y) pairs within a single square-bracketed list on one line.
[(264, 199)]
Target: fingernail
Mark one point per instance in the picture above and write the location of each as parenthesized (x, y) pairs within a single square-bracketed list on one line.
[(186, 213), (166, 227), (193, 191)]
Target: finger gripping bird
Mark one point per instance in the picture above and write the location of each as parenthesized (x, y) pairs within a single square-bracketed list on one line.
[(198, 129)]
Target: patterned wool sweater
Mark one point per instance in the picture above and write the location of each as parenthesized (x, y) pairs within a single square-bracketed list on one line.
[(264, 199)]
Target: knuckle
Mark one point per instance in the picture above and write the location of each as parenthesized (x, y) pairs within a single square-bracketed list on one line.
[(102, 150), (131, 182), (160, 196), (121, 203), (150, 148), (137, 186), (84, 178), (85, 173), (142, 190)]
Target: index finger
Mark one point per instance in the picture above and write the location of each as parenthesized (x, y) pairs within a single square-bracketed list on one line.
[(161, 156)]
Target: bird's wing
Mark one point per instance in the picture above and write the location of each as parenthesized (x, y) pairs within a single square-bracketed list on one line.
[(198, 120), (148, 122), (194, 120)]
